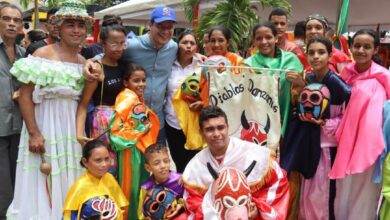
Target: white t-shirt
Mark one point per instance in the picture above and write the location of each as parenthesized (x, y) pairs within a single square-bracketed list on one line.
[(174, 81)]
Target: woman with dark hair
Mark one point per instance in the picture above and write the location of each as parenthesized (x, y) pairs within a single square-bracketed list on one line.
[(185, 65), (96, 186), (219, 42), (311, 142), (270, 56), (33, 36), (359, 134), (103, 91), (317, 25)]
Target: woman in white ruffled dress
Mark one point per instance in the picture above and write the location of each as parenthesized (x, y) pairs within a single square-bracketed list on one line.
[(52, 83)]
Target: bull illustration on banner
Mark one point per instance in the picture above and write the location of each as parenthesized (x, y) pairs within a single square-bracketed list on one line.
[(250, 101)]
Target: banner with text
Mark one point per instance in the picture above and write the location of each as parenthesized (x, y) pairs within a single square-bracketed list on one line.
[(250, 101)]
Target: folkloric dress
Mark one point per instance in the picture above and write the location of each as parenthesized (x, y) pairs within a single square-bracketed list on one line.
[(317, 192), (361, 143), (58, 86), (172, 183), (128, 137), (91, 197)]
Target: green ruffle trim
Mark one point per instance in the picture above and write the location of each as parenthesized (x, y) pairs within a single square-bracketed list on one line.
[(53, 142), (57, 172), (53, 156), (48, 73)]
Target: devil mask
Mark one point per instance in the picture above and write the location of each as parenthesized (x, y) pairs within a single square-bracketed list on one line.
[(232, 195), (314, 100), (160, 203), (99, 207)]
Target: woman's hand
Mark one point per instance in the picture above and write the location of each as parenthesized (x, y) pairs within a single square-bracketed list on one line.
[(195, 106), (83, 140), (200, 57), (36, 143), (319, 122), (295, 78)]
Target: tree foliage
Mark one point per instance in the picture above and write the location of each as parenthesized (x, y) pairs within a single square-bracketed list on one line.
[(237, 16)]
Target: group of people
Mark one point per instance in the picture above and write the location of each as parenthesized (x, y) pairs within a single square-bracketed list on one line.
[(89, 133)]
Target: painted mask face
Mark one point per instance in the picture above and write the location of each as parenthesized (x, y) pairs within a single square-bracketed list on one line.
[(218, 61), (190, 88), (160, 203), (99, 207), (139, 117), (253, 131), (231, 192), (314, 100)]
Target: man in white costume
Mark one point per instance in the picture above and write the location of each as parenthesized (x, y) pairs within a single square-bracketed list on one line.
[(269, 189)]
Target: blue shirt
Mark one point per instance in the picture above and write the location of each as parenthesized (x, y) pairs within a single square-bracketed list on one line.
[(158, 65)]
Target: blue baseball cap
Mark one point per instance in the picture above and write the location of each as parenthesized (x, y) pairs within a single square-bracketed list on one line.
[(163, 13)]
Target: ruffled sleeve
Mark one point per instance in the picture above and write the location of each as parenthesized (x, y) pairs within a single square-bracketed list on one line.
[(48, 73)]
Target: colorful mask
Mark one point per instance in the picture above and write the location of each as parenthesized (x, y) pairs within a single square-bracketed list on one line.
[(217, 61), (99, 207), (160, 203), (232, 195), (253, 131), (314, 100), (190, 88), (139, 117)]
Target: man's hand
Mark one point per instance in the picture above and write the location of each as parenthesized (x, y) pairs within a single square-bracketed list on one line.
[(92, 70), (36, 143), (253, 212)]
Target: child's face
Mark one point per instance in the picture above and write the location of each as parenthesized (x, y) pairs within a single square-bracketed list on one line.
[(98, 162), (318, 57), (363, 48), (136, 83), (159, 165)]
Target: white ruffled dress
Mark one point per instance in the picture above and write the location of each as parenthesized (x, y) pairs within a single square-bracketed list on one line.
[(58, 86)]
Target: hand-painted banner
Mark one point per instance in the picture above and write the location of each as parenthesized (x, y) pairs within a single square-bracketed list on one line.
[(250, 101)]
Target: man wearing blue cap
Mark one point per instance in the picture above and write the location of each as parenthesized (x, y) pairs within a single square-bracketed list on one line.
[(155, 51)]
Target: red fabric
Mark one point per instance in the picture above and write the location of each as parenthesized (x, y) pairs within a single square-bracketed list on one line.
[(273, 206), (194, 202), (271, 200), (337, 57)]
